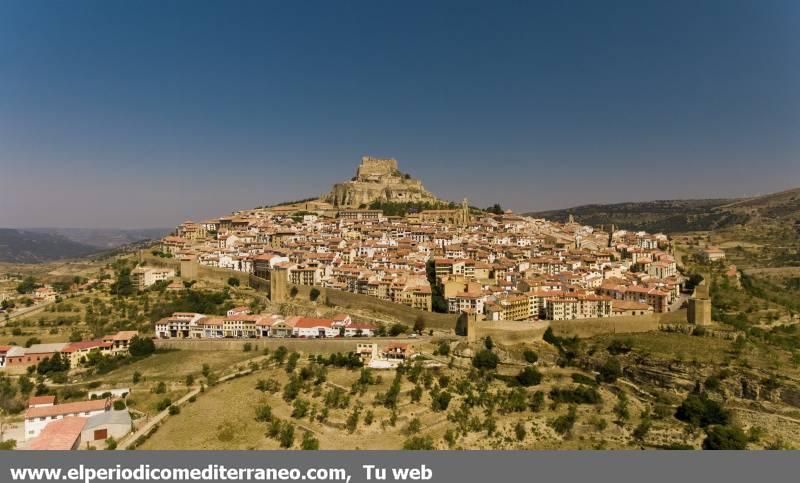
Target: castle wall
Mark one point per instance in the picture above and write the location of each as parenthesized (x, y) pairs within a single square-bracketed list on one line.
[(377, 180)]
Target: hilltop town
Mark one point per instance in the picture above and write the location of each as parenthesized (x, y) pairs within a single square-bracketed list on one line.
[(380, 316), (454, 259)]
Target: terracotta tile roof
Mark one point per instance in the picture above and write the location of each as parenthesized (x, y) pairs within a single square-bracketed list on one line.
[(58, 435), (309, 323), (38, 400), (86, 344), (68, 408)]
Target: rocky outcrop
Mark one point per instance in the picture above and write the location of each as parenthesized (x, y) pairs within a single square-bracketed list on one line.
[(377, 180), (680, 376)]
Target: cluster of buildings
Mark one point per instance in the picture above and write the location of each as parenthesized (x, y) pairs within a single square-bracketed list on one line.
[(17, 359), (239, 323), (497, 266), (500, 267)]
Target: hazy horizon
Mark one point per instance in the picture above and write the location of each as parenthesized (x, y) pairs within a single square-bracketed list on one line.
[(146, 114)]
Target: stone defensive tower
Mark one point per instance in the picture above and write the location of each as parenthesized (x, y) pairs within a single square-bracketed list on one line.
[(699, 310), (189, 268), (278, 285), (472, 328)]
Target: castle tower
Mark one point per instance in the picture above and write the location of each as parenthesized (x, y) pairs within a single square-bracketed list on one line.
[(278, 282), (699, 309), (472, 328), (188, 268)]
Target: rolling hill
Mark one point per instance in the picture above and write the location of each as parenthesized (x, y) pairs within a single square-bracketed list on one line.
[(781, 205), (21, 246), (105, 238), (671, 216)]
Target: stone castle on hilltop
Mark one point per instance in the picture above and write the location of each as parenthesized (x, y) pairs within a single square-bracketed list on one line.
[(377, 179)]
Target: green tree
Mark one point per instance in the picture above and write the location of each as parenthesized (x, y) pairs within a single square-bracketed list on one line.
[(27, 285), (564, 423), (419, 325), (621, 408), (111, 443), (485, 359), (725, 438), (520, 431), (529, 376), (610, 371), (263, 413), (25, 385), (123, 286), (418, 443), (309, 442), (698, 410), (287, 435), (291, 364), (141, 346), (537, 401), (414, 427), (440, 401), (641, 430), (397, 329), (233, 281), (495, 209), (280, 354), (300, 408)]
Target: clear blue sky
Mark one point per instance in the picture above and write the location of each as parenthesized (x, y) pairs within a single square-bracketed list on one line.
[(134, 114)]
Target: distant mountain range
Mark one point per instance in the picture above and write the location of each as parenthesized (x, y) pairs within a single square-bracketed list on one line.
[(21, 246), (36, 245), (671, 216), (106, 238)]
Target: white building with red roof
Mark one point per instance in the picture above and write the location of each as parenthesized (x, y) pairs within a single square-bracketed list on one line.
[(36, 418)]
